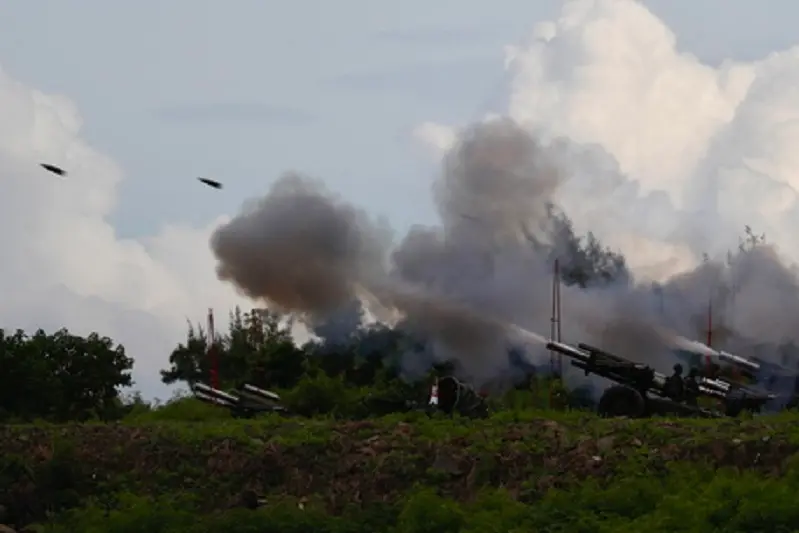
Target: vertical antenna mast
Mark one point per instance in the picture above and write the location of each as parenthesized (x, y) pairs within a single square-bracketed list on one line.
[(557, 291), (212, 351), (709, 326), (555, 320)]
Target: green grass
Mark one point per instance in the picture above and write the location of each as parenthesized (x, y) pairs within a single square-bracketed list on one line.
[(526, 469)]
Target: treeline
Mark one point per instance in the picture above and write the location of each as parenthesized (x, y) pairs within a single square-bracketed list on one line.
[(359, 376), (61, 377)]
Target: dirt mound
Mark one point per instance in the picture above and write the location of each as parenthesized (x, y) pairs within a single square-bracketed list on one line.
[(47, 467)]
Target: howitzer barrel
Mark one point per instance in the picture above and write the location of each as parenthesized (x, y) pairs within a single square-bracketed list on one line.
[(211, 399), (710, 391), (216, 393), (256, 399), (732, 358), (602, 353), (715, 384), (737, 389), (256, 391), (569, 351)]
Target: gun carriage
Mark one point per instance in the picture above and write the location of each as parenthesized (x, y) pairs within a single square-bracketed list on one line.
[(640, 391)]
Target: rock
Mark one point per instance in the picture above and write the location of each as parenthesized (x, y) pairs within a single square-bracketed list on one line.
[(445, 462), (585, 445), (248, 499), (558, 433), (6, 529), (718, 450), (605, 444)]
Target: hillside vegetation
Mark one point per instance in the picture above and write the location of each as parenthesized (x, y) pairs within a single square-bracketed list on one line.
[(516, 471)]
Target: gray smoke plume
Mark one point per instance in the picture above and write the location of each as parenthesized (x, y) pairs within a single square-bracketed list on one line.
[(468, 285), (299, 248), (753, 298), (303, 250)]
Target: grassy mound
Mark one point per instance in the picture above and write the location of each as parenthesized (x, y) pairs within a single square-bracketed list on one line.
[(531, 471)]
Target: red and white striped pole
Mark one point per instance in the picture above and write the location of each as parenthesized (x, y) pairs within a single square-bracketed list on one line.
[(212, 356)]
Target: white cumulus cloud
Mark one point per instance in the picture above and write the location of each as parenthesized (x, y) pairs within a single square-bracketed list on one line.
[(63, 264), (675, 156)]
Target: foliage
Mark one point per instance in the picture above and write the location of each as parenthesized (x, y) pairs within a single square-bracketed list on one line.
[(686, 499), (258, 349), (555, 472), (584, 261), (61, 376)]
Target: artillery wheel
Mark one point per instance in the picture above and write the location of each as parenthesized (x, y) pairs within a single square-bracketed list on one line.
[(622, 401)]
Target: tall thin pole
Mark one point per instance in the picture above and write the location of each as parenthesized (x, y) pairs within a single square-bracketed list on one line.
[(555, 320), (709, 327), (212, 355), (710, 323), (557, 308)]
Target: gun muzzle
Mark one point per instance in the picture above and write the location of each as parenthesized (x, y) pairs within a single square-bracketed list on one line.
[(738, 360), (216, 393), (569, 351), (256, 391), (602, 353), (710, 391), (211, 399), (717, 384)]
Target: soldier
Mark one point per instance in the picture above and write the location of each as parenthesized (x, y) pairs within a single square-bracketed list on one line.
[(674, 386), (692, 387)]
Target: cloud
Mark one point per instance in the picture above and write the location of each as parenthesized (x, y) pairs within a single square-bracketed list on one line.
[(216, 114), (679, 155), (64, 265)]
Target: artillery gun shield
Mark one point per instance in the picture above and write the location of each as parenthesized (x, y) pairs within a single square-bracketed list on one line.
[(620, 400)]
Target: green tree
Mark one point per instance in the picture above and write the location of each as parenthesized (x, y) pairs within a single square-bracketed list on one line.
[(61, 376), (258, 348), (584, 261)]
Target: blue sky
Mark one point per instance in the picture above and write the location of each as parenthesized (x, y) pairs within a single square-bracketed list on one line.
[(244, 90)]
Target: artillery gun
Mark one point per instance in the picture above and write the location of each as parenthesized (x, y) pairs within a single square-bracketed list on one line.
[(450, 395), (248, 401), (640, 391), (780, 381)]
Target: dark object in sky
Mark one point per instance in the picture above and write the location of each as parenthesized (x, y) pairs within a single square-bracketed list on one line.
[(211, 183), (54, 169)]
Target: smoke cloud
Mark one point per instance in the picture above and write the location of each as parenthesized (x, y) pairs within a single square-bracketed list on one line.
[(644, 168), (303, 250), (471, 286), (670, 159), (299, 248)]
